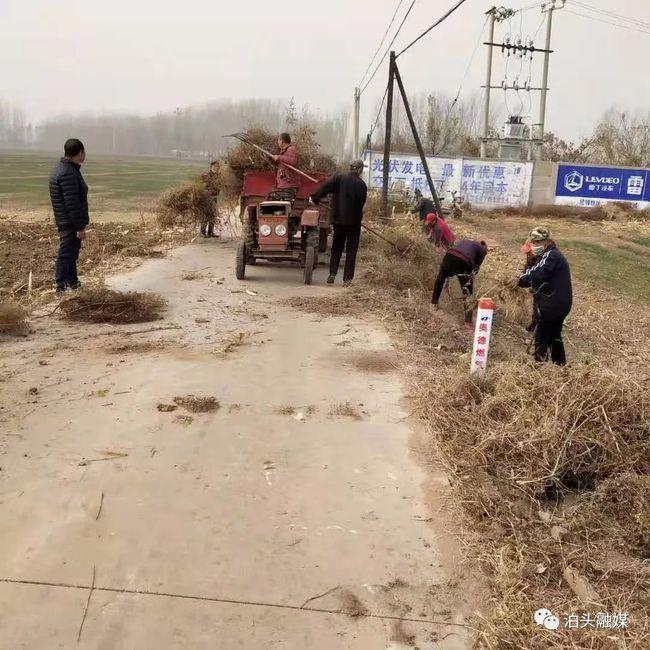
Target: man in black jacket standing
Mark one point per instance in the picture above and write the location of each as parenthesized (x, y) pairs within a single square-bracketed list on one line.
[(69, 196), (550, 279), (349, 193)]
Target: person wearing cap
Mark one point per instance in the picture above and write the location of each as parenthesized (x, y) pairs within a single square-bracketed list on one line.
[(549, 277), (349, 193), (423, 206), (463, 260), (439, 232)]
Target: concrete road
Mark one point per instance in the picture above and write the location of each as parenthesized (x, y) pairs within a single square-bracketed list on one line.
[(295, 516)]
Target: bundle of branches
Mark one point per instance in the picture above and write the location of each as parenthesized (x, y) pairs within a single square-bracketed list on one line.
[(192, 201), (102, 305), (242, 157), (13, 319)]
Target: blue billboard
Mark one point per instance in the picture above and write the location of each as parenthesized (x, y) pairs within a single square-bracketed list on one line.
[(581, 185)]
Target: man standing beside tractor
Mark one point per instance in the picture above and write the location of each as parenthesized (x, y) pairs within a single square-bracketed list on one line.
[(349, 193)]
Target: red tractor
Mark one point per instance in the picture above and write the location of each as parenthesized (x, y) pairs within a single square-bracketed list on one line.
[(281, 225)]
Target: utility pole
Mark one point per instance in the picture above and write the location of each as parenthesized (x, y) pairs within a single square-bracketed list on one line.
[(548, 9), (416, 138), (357, 111), (488, 83), (387, 135)]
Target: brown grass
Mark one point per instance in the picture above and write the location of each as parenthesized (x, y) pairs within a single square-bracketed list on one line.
[(351, 605), (137, 347), (191, 275), (346, 410), (102, 305), (198, 404), (373, 362), (33, 247), (13, 319), (550, 466), (191, 202), (167, 408), (285, 410)]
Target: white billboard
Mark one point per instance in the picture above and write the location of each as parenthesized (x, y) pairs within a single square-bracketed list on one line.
[(484, 183)]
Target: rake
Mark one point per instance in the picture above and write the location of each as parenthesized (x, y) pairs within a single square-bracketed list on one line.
[(242, 137)]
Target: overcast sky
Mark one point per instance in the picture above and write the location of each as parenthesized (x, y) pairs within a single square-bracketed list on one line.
[(150, 55)]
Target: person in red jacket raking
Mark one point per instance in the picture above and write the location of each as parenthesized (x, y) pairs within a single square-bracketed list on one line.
[(439, 232), (286, 179)]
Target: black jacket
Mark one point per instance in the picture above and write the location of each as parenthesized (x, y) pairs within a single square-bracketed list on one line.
[(69, 196), (424, 207), (469, 250), (550, 279), (349, 193)]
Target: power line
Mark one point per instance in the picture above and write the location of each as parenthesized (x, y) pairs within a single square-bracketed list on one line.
[(425, 32), (408, 11), (374, 126), (608, 22), (471, 60), (383, 38), (611, 14)]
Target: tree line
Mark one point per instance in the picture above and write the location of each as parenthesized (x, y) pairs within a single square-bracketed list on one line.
[(447, 125)]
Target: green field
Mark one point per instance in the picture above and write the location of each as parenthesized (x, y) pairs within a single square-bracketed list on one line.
[(116, 183)]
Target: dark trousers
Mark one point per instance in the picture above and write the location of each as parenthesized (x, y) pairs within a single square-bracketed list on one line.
[(207, 228), (548, 341), (345, 238), (454, 266), (66, 262)]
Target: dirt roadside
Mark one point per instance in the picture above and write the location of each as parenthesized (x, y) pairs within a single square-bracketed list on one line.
[(294, 516)]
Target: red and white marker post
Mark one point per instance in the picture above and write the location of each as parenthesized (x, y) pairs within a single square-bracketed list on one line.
[(482, 333)]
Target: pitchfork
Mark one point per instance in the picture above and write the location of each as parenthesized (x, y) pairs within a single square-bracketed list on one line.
[(243, 137)]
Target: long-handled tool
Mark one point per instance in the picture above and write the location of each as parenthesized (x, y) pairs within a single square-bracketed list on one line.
[(242, 137), (403, 251)]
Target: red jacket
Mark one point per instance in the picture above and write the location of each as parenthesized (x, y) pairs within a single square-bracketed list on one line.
[(286, 177), (441, 234)]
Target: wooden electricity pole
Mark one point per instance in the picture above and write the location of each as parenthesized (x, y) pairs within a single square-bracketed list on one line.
[(416, 138), (387, 135)]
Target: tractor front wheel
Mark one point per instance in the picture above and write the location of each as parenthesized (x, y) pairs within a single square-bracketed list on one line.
[(310, 263), (240, 261)]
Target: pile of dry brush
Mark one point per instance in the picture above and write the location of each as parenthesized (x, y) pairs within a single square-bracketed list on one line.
[(13, 319), (103, 305), (550, 466), (197, 200)]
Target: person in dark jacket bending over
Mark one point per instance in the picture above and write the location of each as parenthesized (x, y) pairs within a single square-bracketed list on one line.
[(423, 206), (550, 279), (462, 260), (349, 193), (69, 196)]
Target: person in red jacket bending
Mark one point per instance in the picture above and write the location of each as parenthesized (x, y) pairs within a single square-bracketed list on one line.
[(439, 232), (286, 179)]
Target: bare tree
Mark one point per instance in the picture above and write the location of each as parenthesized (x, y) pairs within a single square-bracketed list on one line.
[(622, 139)]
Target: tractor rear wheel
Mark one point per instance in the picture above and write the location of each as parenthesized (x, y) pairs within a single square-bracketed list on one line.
[(310, 263), (312, 239), (240, 261)]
